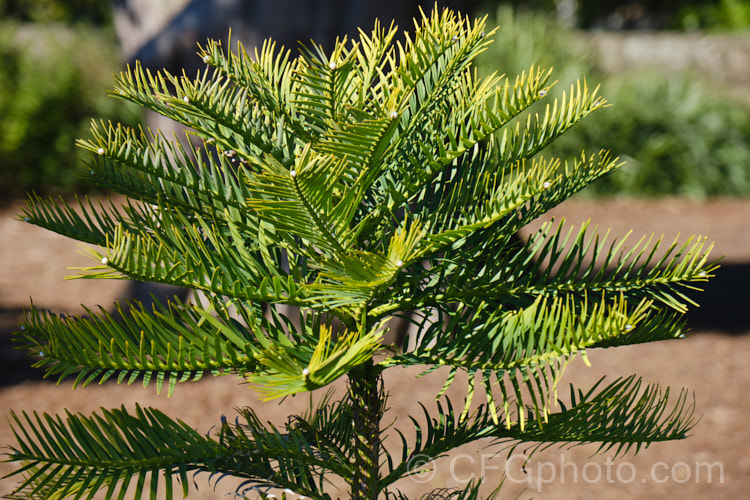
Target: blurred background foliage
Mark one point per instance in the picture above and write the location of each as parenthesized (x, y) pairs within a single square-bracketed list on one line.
[(98, 12), (54, 80), (679, 135), (688, 15)]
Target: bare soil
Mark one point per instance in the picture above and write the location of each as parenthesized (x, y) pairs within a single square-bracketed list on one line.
[(711, 363)]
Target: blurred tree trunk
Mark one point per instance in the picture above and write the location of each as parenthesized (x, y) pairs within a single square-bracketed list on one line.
[(567, 12), (165, 33)]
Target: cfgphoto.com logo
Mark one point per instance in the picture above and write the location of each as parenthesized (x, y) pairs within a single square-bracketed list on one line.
[(519, 469)]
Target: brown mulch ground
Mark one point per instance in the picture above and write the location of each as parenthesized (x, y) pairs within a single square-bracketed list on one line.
[(711, 363)]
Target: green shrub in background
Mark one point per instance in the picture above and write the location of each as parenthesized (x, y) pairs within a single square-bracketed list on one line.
[(724, 15), (682, 138), (535, 38), (684, 15), (57, 11), (53, 80)]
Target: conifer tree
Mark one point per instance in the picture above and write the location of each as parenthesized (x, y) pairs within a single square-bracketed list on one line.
[(382, 179)]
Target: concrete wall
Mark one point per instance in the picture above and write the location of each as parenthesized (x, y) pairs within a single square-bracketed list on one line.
[(723, 60)]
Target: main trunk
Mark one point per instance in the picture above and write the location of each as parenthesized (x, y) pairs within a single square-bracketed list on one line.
[(368, 401)]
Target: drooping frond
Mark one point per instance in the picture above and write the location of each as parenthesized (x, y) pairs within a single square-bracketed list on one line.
[(109, 452), (439, 435), (523, 351), (117, 452), (295, 456), (624, 415)]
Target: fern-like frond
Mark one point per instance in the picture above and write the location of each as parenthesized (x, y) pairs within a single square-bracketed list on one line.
[(208, 104), (78, 456), (468, 116), (297, 456), (171, 344), (197, 180), (117, 453), (362, 147), (374, 59), (299, 201), (325, 86), (266, 77), (440, 434), (553, 263), (431, 62), (522, 351), (200, 255), (528, 139), (573, 176), (494, 199), (85, 222), (499, 159), (624, 415), (356, 278)]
